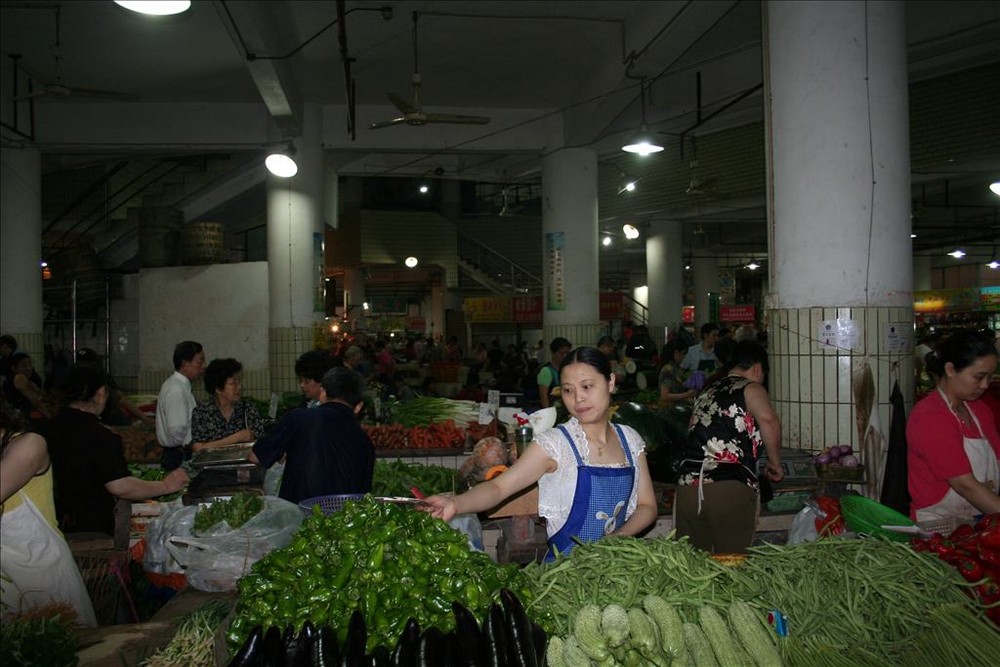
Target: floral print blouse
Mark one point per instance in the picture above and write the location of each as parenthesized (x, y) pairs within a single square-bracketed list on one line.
[(723, 437), (208, 424)]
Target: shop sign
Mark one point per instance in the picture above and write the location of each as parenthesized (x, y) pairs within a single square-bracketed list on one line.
[(737, 313), (943, 300), (989, 297), (687, 314), (611, 306), (527, 309), (487, 309)]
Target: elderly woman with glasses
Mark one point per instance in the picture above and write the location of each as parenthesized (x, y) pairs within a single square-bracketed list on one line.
[(225, 419)]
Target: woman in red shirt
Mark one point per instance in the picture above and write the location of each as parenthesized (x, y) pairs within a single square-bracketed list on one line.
[(953, 443)]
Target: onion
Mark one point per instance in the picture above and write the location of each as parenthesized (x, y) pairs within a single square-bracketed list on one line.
[(834, 453), (845, 449), (822, 459), (849, 461)]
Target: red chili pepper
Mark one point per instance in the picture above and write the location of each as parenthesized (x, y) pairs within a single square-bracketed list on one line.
[(988, 592), (989, 556)]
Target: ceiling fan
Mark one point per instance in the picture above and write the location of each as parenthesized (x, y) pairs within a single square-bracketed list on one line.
[(412, 112), (55, 87)]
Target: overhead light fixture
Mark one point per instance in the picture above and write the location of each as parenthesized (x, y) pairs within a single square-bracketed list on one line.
[(630, 231), (411, 261), (995, 187), (606, 241), (280, 162), (993, 264), (957, 253), (643, 143), (423, 188), (687, 267), (913, 236), (753, 266), (156, 7), (627, 183), (364, 305)]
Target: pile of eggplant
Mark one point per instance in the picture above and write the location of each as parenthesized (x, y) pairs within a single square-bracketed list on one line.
[(507, 638)]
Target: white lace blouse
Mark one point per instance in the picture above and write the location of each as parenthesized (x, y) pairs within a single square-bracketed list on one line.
[(556, 489)]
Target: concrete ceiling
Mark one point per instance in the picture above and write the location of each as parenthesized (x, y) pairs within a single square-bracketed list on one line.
[(548, 73)]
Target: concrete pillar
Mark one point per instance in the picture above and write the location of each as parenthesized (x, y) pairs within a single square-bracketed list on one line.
[(840, 254), (21, 249), (295, 253), (705, 271), (664, 278), (570, 246)]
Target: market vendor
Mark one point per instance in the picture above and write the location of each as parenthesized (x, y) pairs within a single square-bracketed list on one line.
[(326, 451), (36, 564), (225, 418), (733, 424), (592, 476), (953, 444), (88, 460)]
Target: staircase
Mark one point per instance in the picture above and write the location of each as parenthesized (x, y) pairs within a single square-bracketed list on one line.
[(494, 272)]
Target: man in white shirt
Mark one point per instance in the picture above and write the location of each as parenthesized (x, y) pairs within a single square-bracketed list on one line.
[(176, 402), (702, 357)]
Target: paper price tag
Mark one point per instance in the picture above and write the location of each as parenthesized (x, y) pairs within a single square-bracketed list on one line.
[(487, 413)]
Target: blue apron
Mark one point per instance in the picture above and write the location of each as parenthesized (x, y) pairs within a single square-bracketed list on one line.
[(599, 501)]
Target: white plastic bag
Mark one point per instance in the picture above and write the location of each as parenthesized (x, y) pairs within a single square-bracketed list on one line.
[(174, 519), (472, 527), (216, 559), (803, 527)]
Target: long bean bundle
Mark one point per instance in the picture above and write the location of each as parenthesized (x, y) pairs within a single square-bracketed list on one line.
[(622, 570), (425, 410), (846, 599)]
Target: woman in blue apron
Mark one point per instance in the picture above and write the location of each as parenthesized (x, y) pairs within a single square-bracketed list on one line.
[(592, 475)]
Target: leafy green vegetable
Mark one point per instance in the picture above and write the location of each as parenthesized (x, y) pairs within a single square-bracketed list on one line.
[(38, 640), (236, 511), (425, 410)]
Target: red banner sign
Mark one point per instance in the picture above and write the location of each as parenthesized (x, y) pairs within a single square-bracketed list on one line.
[(527, 309), (611, 306), (737, 313), (687, 314)]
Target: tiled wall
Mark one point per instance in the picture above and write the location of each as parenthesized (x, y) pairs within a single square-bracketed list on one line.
[(810, 385), (284, 347), (577, 334), (256, 383)]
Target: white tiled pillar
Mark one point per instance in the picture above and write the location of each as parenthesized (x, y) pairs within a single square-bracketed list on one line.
[(838, 163), (570, 246), (294, 257), (664, 278)]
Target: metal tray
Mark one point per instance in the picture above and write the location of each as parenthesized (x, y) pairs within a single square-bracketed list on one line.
[(227, 456)]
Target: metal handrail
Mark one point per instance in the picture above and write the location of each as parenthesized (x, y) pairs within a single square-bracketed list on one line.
[(498, 267)]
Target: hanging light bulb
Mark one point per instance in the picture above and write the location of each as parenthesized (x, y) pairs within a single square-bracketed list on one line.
[(155, 7), (642, 143), (995, 187), (411, 262), (630, 231), (753, 266), (606, 241), (423, 188), (957, 253)]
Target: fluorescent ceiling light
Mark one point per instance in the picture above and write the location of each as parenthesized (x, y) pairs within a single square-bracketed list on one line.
[(156, 7)]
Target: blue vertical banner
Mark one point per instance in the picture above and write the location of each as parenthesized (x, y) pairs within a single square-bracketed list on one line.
[(555, 274), (319, 286)]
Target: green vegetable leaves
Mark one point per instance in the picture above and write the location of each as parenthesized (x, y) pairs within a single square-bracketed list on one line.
[(236, 511)]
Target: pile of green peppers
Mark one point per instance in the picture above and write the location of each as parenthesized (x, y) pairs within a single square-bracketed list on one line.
[(390, 562), (506, 637)]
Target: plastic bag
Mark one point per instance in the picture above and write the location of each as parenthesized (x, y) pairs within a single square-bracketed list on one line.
[(272, 479), (174, 519), (472, 527), (214, 561), (803, 527)]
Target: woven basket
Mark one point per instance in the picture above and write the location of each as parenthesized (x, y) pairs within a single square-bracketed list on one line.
[(864, 515), (329, 504)]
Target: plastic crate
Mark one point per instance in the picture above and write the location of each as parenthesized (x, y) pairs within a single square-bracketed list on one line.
[(864, 515), (329, 504)]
